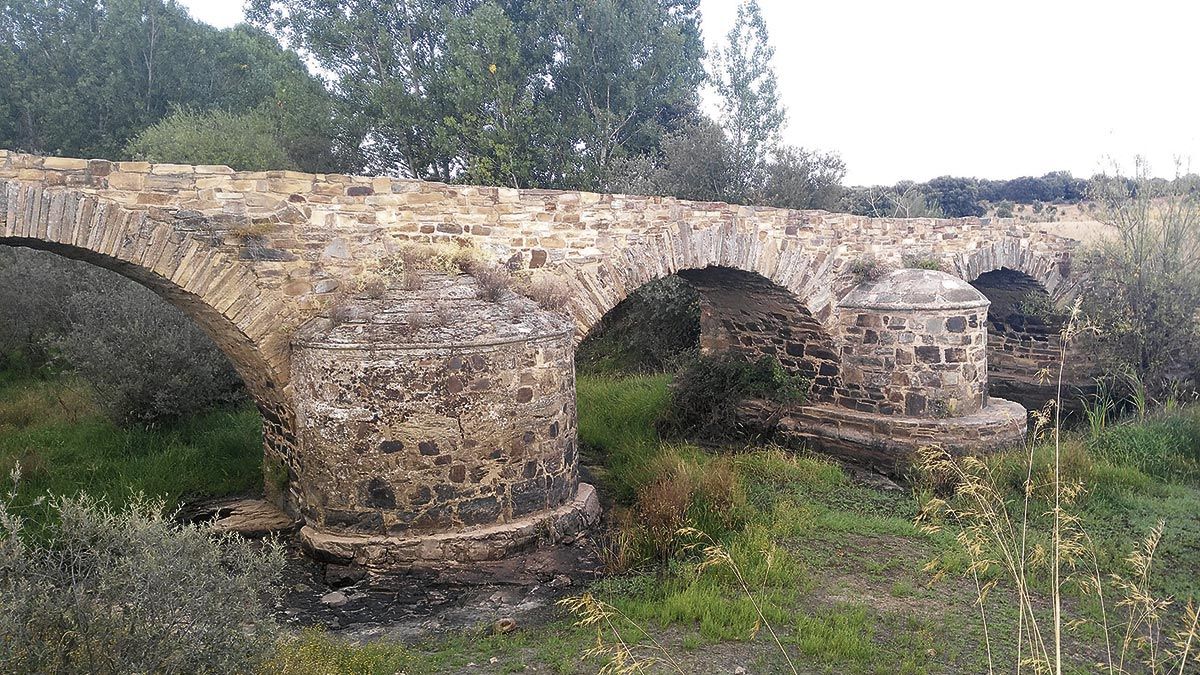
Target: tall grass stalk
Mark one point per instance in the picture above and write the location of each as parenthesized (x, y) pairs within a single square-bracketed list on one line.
[(992, 538), (716, 555), (621, 656)]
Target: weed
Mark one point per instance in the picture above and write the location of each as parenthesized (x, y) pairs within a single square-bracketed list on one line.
[(915, 261), (550, 293), (494, 280), (868, 267)]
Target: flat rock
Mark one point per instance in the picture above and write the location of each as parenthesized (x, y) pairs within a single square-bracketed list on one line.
[(247, 517)]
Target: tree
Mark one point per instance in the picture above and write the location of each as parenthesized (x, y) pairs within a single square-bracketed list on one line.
[(82, 77), (524, 93), (802, 179), (956, 197), (244, 141), (693, 163), (1142, 288), (739, 159), (628, 71), (903, 200), (751, 113)]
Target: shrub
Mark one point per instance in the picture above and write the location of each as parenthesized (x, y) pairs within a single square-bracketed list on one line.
[(687, 489), (148, 361), (494, 281), (107, 591), (1143, 285), (705, 396), (244, 141), (869, 268)]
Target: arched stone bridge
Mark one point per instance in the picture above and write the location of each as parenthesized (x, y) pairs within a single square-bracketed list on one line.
[(435, 418)]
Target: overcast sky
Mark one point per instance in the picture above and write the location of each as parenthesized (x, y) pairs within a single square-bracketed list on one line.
[(998, 89)]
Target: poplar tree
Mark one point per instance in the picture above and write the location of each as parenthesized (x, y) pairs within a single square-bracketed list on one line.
[(750, 112)]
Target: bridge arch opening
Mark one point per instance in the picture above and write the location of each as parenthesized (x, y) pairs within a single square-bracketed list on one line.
[(1024, 328), (240, 351), (709, 310)]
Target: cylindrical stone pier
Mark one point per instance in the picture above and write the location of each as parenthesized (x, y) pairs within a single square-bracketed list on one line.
[(920, 339), (437, 425), (913, 373)]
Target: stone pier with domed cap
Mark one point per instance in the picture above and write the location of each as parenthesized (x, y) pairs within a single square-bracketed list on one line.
[(437, 422), (914, 373)]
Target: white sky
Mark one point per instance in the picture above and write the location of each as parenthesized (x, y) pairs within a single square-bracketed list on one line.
[(997, 89)]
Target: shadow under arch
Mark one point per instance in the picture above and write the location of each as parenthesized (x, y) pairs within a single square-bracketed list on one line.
[(1025, 323), (793, 265)]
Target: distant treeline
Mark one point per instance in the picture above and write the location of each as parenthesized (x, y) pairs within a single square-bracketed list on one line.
[(954, 197)]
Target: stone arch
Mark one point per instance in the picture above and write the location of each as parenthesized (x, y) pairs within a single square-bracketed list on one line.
[(1025, 321), (209, 285), (756, 295), (1049, 266), (598, 287)]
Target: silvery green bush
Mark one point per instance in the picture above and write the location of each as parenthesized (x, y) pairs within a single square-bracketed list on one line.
[(107, 590), (147, 360)]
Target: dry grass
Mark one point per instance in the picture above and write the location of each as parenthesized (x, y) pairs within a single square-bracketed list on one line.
[(550, 293), (495, 282), (869, 267), (1011, 545)]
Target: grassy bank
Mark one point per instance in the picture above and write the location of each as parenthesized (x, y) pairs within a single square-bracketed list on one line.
[(53, 429), (837, 568)]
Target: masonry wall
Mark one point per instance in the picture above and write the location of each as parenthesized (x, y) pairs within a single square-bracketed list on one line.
[(1023, 341), (437, 412), (307, 236), (745, 313), (916, 363), (258, 257)]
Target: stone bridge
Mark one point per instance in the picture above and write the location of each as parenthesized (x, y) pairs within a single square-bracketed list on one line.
[(430, 415)]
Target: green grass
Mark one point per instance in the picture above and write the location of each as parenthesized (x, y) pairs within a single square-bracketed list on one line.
[(64, 445), (835, 567), (616, 428)]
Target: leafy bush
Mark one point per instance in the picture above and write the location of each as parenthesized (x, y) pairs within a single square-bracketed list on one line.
[(705, 395), (1142, 287), (108, 591), (146, 359), (245, 141)]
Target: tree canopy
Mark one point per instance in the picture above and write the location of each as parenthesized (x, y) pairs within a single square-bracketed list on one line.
[(83, 77), (518, 92)]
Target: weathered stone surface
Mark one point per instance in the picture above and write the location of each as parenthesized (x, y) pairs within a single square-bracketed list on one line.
[(1023, 343), (888, 442), (914, 343), (247, 517), (380, 553), (391, 419)]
